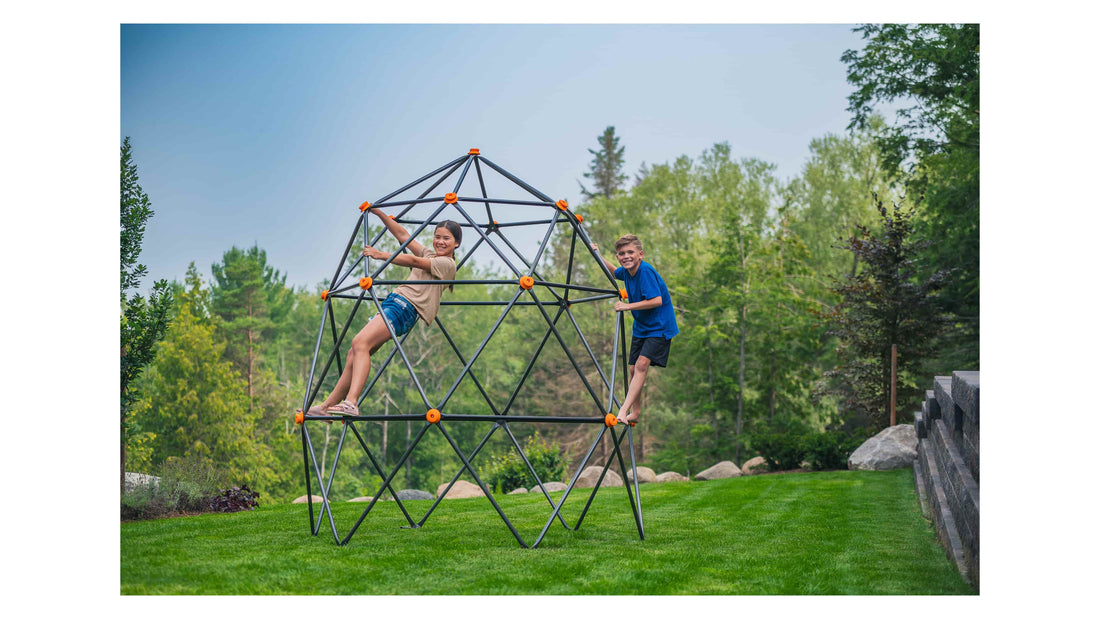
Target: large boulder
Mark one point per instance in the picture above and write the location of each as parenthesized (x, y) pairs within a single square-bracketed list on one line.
[(461, 490), (591, 474), (721, 470), (305, 499), (551, 486), (361, 499), (410, 494), (645, 475), (519, 491), (671, 476), (893, 448), (754, 466)]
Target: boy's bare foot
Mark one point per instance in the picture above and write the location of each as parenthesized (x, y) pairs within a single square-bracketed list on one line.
[(625, 416)]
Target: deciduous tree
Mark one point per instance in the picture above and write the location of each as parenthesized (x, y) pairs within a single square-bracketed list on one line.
[(888, 302), (195, 405), (143, 321), (932, 71)]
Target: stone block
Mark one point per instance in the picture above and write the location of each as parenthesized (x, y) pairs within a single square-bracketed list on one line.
[(922, 488), (947, 466), (960, 493), (944, 401), (964, 389), (970, 455), (942, 518), (930, 406)]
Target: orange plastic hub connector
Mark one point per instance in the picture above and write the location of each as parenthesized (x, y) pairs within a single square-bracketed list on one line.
[(579, 218), (365, 283), (475, 151), (450, 198), (526, 282), (563, 205), (432, 416), (609, 420), (622, 293), (324, 296), (299, 417), (364, 206)]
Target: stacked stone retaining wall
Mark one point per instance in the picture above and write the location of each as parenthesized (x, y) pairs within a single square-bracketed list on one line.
[(947, 467)]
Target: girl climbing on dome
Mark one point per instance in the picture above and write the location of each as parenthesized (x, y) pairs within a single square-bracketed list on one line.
[(401, 307)]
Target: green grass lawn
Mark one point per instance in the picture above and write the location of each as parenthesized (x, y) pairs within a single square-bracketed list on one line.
[(842, 532)]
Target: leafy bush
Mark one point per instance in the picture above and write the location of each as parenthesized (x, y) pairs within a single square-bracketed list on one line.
[(190, 482), (186, 485), (829, 450), (783, 452), (508, 472), (825, 451), (234, 500)]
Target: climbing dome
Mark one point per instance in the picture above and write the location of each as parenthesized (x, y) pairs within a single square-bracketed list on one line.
[(510, 224)]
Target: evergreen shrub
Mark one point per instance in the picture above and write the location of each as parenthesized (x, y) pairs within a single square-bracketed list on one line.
[(508, 472), (782, 451), (828, 451), (824, 451)]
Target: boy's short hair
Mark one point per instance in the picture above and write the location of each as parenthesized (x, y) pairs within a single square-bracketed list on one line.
[(627, 239)]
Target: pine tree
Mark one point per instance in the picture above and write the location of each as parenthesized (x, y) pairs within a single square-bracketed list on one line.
[(250, 298), (606, 167)]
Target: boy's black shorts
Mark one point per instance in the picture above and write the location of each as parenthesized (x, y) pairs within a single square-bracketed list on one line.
[(653, 348)]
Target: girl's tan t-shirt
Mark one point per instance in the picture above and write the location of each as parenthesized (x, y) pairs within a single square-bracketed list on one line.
[(425, 298)]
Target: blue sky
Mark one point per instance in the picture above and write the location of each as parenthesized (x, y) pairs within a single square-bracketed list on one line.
[(274, 134)]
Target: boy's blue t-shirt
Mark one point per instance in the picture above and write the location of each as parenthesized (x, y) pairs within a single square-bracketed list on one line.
[(646, 283)]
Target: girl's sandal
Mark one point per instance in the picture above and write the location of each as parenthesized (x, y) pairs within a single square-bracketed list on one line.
[(319, 411), (344, 408)]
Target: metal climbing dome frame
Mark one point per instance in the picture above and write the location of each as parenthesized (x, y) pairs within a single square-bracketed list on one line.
[(531, 289)]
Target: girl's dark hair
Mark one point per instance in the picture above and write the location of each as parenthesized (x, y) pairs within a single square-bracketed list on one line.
[(456, 231)]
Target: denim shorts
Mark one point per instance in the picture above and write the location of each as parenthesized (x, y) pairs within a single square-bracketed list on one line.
[(400, 312)]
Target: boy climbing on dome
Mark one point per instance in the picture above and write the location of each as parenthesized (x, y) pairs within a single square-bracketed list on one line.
[(654, 319)]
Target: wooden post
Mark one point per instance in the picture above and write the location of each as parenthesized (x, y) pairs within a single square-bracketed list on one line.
[(893, 384)]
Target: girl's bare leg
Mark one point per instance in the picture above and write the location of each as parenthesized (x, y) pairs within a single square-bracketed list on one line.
[(368, 340), (341, 389), (357, 362)]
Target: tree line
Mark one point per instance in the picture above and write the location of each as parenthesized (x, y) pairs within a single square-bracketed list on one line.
[(789, 294)]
